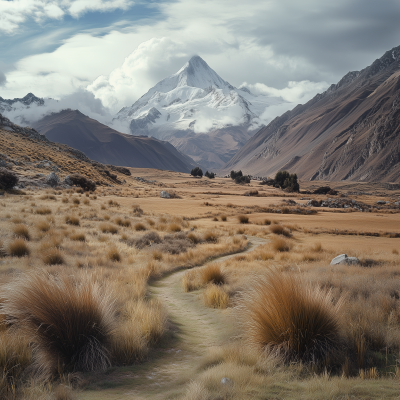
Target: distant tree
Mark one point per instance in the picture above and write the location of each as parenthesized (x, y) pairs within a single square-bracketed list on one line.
[(287, 181), (196, 172), (7, 179), (239, 178), (236, 174), (210, 175)]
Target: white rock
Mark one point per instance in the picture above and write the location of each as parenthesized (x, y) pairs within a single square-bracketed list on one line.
[(226, 381), (343, 259), (339, 259), (165, 195)]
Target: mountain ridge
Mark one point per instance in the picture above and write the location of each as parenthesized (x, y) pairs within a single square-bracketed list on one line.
[(339, 134)]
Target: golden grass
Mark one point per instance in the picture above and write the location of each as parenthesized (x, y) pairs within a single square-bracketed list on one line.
[(215, 297), (174, 227), (72, 220), (108, 228), (69, 322), (21, 231), (18, 248), (280, 244), (285, 316), (140, 227), (210, 237), (123, 222), (43, 226), (43, 211), (243, 219), (212, 273), (78, 237), (193, 238), (53, 256), (113, 254), (280, 230)]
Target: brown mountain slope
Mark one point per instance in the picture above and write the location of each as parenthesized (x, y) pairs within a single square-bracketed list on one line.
[(350, 132), (31, 154), (103, 144)]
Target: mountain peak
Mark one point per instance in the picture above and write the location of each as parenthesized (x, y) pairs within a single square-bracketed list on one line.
[(197, 73)]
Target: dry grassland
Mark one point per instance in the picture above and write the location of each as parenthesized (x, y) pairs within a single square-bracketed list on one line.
[(75, 271)]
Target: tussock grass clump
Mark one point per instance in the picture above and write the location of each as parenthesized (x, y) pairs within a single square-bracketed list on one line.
[(174, 227), (123, 222), (223, 218), (140, 227), (76, 201), (113, 254), (280, 244), (15, 357), (317, 247), (17, 220), (43, 211), (71, 220), (68, 321), (210, 237), (18, 248), (43, 226), (21, 231), (108, 228), (86, 202), (157, 255), (283, 315), (243, 219), (212, 273), (280, 230), (53, 256), (78, 237), (193, 238), (267, 222), (215, 297)]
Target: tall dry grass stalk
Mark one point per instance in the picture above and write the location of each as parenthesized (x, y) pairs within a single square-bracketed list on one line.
[(69, 321), (283, 315), (215, 297)]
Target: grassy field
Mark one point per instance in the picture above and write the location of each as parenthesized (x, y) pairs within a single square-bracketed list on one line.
[(212, 294)]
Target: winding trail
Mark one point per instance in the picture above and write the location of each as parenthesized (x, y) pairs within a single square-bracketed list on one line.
[(195, 328)]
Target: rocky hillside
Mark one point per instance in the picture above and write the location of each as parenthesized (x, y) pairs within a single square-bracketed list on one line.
[(105, 145), (32, 156), (349, 132)]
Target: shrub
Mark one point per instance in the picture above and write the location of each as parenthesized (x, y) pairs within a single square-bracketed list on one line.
[(108, 228), (196, 172), (18, 248), (215, 297), (85, 183), (147, 240), (140, 227), (21, 231), (69, 322), (71, 220), (287, 317), (243, 219), (251, 193), (280, 244), (212, 273), (7, 179), (280, 230), (239, 178), (53, 256), (287, 181)]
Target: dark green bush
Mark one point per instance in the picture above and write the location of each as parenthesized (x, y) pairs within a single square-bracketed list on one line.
[(7, 179), (197, 171)]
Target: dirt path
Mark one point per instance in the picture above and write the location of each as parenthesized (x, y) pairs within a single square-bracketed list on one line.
[(196, 328)]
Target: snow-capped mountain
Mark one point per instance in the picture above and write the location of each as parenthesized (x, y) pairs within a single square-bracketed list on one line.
[(7, 105), (199, 113)]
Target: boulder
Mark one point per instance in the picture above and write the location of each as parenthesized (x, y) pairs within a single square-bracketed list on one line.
[(343, 259), (67, 181), (52, 179), (165, 195)]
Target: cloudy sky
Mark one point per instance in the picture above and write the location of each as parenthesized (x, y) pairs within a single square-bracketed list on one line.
[(118, 49)]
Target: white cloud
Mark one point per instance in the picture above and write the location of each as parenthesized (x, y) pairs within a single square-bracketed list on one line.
[(16, 12), (295, 92)]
